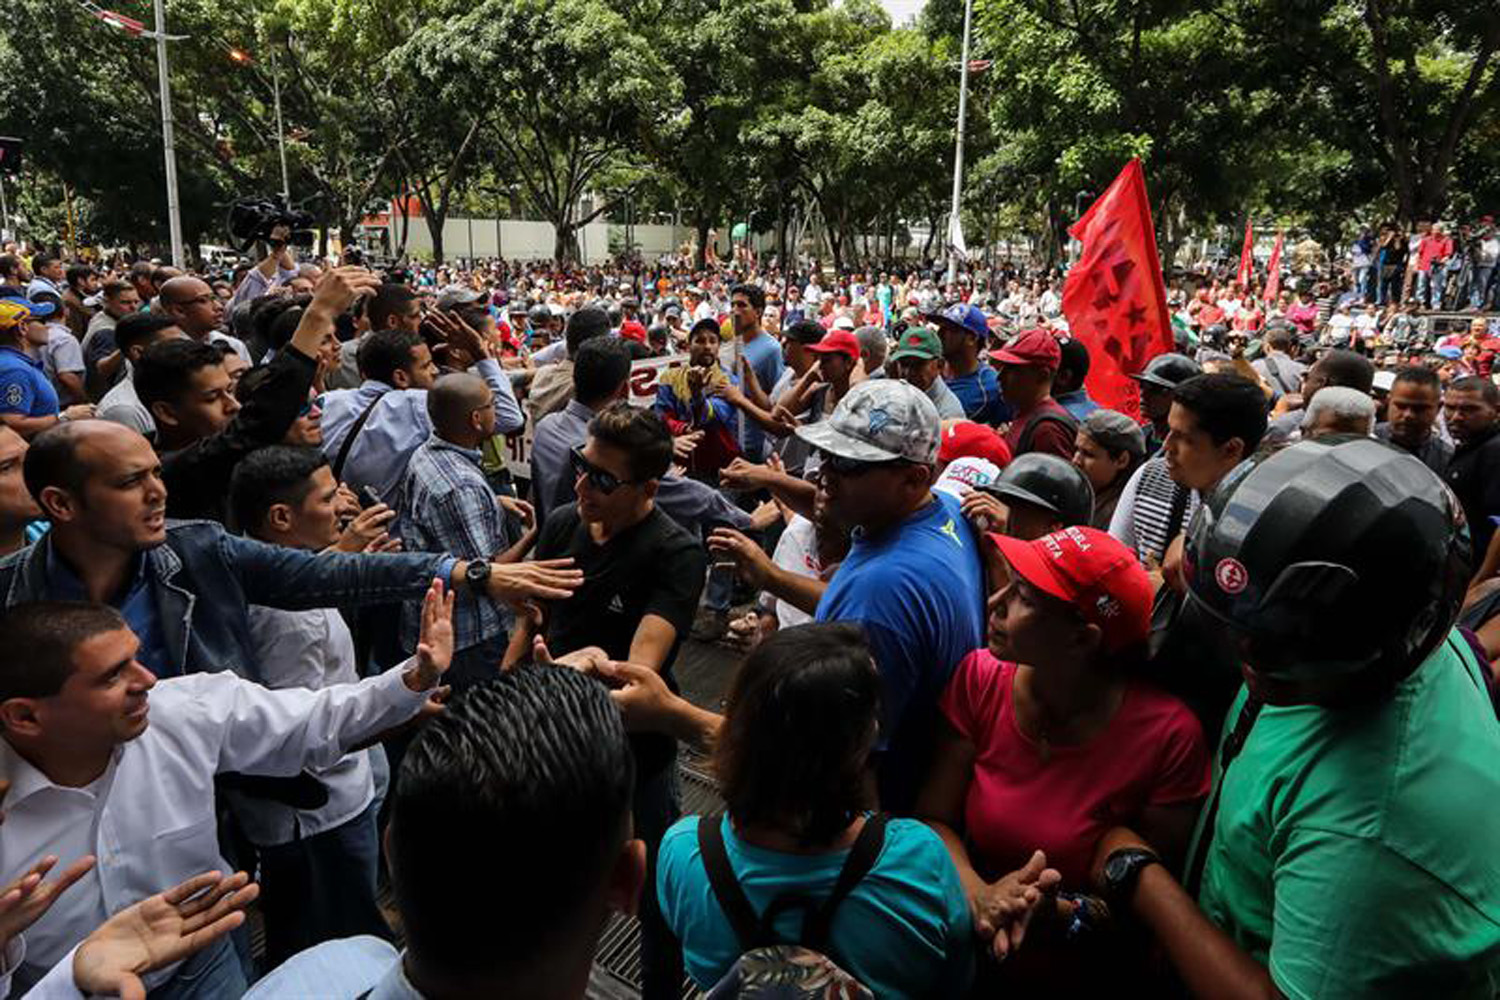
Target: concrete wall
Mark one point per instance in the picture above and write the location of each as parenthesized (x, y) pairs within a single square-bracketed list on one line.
[(518, 240)]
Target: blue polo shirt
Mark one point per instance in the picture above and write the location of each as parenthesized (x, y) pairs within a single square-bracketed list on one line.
[(24, 388), (918, 591), (764, 353), (980, 395)]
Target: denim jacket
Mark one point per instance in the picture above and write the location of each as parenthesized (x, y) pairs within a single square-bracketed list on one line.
[(204, 578)]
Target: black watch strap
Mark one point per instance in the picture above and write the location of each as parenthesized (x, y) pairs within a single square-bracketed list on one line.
[(1122, 870), (477, 574)]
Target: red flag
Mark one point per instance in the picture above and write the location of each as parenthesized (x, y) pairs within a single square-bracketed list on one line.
[(1273, 272), (1114, 297), (1247, 258)]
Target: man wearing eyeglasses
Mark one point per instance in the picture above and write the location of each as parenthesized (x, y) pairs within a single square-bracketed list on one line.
[(198, 312), (642, 576), (912, 578)]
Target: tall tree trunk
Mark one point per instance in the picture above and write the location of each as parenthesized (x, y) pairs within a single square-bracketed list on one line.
[(781, 227), (405, 228), (932, 228), (435, 220), (564, 236), (701, 227)]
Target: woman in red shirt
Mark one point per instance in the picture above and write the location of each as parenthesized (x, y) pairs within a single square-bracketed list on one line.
[(1048, 739)]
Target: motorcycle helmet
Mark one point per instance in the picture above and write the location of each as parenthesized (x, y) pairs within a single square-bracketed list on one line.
[(1049, 482), (1331, 558)]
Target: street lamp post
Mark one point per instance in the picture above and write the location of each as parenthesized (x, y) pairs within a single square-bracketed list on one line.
[(958, 146), (244, 58), (286, 188), (168, 138)]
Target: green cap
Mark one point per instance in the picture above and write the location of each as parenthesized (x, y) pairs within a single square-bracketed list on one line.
[(918, 342)]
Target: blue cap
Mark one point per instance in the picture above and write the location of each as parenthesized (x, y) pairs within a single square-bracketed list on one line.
[(969, 319)]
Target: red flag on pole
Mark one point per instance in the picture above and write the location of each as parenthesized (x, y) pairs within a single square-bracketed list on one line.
[(1114, 297), (1273, 272), (1247, 258)]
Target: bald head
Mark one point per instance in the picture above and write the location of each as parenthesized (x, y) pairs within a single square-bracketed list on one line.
[(193, 304), (461, 407), (66, 454)]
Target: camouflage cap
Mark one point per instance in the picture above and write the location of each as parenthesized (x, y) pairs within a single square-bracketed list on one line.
[(880, 420)]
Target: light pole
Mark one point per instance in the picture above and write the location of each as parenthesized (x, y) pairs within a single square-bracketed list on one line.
[(168, 138), (286, 187), (958, 147), (244, 58), (169, 146)]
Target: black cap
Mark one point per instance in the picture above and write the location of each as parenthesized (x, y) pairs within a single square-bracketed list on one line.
[(1168, 371)]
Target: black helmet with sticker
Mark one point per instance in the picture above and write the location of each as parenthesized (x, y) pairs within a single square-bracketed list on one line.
[(1335, 557)]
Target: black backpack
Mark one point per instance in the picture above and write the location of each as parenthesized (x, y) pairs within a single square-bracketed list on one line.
[(766, 960)]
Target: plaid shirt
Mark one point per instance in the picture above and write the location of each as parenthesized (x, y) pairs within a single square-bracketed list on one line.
[(445, 505)]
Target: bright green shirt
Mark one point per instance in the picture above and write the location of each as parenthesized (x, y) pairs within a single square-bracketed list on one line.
[(1357, 851)]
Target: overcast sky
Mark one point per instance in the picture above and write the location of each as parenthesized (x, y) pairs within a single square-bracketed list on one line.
[(901, 10)]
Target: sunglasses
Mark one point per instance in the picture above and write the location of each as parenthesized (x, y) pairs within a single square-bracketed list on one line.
[(849, 467), (603, 480)]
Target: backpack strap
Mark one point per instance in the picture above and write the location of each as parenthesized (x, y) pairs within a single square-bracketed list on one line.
[(862, 857), (1233, 744), (726, 888), (758, 931), (1023, 443), (344, 449), (1180, 496)]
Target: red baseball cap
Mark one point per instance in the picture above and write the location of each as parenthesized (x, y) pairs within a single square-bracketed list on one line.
[(1094, 573), (1034, 347), (966, 439), (837, 342), (633, 330)]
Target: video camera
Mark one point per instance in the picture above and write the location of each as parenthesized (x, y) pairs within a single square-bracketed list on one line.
[(253, 218)]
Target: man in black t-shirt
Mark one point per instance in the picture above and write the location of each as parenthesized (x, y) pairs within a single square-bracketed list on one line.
[(642, 577)]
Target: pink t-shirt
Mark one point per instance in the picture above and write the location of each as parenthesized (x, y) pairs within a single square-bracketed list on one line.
[(1151, 754)]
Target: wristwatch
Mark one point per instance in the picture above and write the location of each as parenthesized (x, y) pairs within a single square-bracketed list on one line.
[(477, 575), (1122, 869)]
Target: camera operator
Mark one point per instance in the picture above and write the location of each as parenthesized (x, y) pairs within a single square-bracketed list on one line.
[(278, 268), (202, 432)]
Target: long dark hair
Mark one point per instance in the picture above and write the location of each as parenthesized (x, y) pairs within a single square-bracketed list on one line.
[(799, 726)]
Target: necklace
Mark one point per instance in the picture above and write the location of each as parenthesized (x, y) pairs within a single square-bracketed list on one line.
[(1046, 730)]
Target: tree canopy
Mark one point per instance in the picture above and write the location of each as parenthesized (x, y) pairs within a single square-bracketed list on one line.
[(1317, 113)]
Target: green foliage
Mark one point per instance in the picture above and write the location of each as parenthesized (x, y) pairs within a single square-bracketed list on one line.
[(1311, 113)]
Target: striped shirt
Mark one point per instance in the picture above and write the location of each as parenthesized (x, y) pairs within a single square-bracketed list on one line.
[(1143, 519)]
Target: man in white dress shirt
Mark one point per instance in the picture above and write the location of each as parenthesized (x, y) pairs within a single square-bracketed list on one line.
[(90, 775), (318, 866)]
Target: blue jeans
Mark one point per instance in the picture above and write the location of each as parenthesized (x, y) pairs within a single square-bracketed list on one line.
[(1479, 294), (1439, 279), (321, 887), (1362, 284), (212, 974)]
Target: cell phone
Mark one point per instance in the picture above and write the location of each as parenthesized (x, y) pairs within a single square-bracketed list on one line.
[(722, 570), (369, 498)]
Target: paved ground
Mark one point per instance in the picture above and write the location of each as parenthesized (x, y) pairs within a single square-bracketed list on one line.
[(704, 672)]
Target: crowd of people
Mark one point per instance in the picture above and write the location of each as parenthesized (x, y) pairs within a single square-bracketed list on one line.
[(318, 580)]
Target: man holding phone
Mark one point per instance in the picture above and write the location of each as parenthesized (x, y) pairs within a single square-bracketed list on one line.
[(643, 575)]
